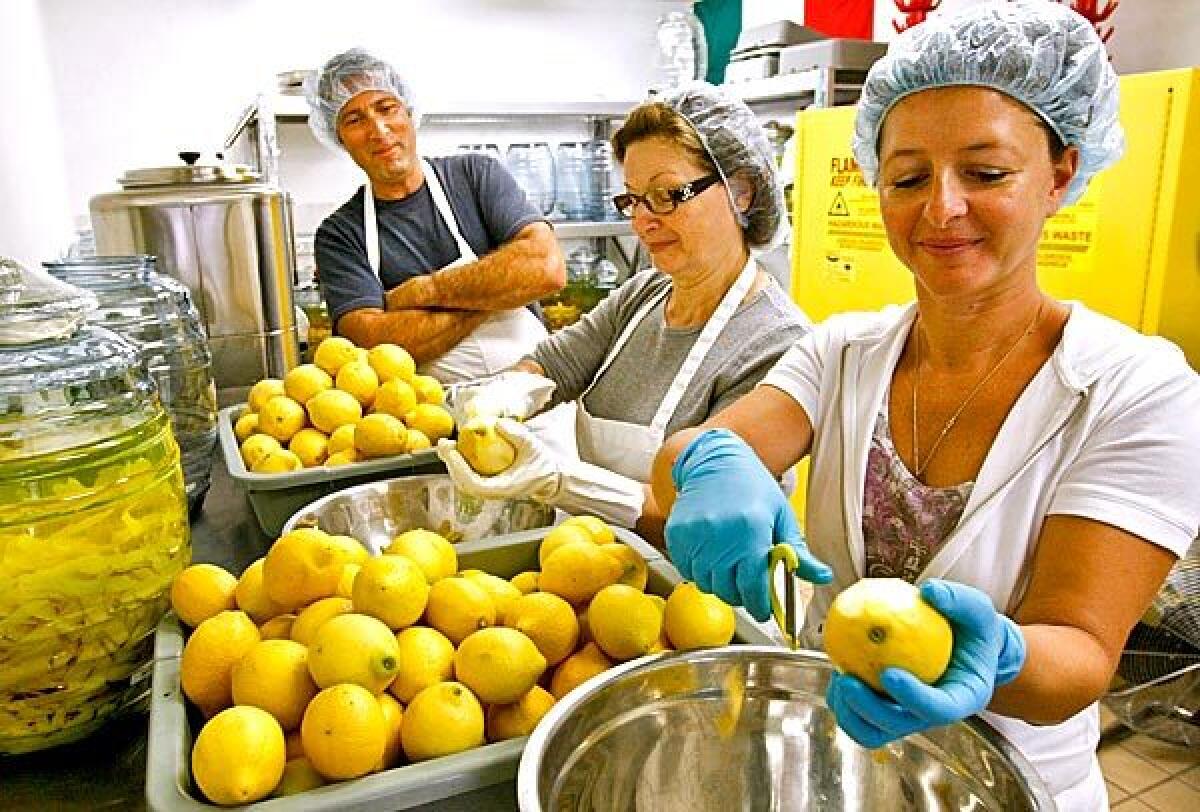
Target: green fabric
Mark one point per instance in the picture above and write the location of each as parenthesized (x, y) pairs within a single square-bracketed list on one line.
[(722, 21)]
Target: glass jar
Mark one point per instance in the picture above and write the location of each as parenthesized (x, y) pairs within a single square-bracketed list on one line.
[(681, 52), (93, 516), (156, 312), (532, 167)]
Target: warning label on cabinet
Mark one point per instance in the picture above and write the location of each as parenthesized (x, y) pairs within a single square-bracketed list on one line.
[(1068, 238), (852, 223)]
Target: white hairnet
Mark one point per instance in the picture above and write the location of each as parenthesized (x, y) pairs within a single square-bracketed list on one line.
[(1040, 53), (737, 145), (342, 78)]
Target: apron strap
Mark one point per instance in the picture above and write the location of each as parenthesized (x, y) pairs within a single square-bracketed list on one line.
[(371, 228)]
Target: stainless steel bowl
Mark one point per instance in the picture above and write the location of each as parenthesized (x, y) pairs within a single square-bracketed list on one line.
[(377, 512), (746, 728)]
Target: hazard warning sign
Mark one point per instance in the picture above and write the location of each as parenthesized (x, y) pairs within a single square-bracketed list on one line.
[(1069, 237), (853, 228), (838, 207)]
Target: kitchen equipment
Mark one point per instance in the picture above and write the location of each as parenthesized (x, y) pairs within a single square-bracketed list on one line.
[(756, 54), (228, 237), (852, 58), (93, 518), (744, 727), (291, 82), (157, 314)]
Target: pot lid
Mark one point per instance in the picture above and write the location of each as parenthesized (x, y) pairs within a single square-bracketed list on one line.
[(35, 306), (189, 172)]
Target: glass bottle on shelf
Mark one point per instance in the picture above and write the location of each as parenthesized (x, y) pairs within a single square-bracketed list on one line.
[(532, 166), (681, 52), (572, 170)]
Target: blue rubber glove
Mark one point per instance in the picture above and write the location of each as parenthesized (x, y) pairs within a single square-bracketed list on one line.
[(728, 513), (988, 652)]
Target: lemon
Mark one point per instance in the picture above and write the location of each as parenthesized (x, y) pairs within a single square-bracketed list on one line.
[(342, 438), (252, 597), (458, 607), (391, 588), (578, 570), (526, 582), (332, 353), (380, 435), (880, 623), (601, 532), (395, 397), (200, 591), (206, 668), (351, 547), (282, 461), (558, 536), (663, 643), (310, 446), (498, 664), (245, 426), (353, 648), (281, 417), (314, 616), (263, 391), (345, 587), (578, 669), (428, 389), (305, 382), (359, 380), (391, 362), (431, 420), (333, 409), (518, 718), (238, 757), (442, 719), (344, 732), (273, 675), (257, 447), (633, 566), (547, 620), (484, 448), (503, 593), (695, 619), (417, 441), (299, 775), (393, 720), (624, 622), (428, 550), (303, 566), (346, 457), (426, 658), (277, 628)]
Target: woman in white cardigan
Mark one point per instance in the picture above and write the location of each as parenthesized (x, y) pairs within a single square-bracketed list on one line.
[(1034, 464)]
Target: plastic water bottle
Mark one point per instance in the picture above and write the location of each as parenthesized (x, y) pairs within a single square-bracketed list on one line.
[(603, 181), (573, 193)]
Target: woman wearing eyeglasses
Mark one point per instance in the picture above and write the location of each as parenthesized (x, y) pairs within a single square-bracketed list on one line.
[(676, 343)]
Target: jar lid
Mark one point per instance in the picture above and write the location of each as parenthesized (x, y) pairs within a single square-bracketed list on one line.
[(224, 174), (35, 306)]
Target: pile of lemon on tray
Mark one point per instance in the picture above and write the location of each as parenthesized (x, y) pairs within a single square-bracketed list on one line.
[(350, 404), (323, 664)]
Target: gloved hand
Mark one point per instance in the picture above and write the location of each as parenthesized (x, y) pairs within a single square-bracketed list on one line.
[(728, 514), (537, 473), (514, 393), (988, 652)]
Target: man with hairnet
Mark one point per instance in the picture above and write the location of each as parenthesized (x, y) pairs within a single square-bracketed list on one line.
[(439, 255)]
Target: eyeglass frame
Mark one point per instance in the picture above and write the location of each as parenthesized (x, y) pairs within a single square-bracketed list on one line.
[(626, 202)]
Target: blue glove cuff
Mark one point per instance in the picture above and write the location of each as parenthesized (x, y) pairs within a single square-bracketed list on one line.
[(1012, 653), (695, 448)]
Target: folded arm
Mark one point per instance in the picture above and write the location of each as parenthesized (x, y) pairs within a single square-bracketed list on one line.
[(426, 334)]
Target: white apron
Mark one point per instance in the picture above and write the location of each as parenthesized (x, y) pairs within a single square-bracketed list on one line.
[(629, 448), (495, 345)]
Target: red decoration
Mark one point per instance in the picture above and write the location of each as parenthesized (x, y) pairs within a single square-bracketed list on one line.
[(914, 11), (1091, 11), (852, 19)]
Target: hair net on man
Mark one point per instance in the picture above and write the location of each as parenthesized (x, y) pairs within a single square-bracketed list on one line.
[(342, 78), (739, 148), (1040, 53)]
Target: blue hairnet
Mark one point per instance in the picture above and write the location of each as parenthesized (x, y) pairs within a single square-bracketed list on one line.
[(342, 78), (737, 145), (1040, 53)]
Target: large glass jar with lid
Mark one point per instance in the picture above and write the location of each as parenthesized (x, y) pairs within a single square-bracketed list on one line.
[(93, 517), (156, 312)]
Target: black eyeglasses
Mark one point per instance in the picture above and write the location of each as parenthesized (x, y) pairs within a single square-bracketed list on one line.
[(662, 200)]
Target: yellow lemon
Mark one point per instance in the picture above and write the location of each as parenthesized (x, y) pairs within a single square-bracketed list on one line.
[(442, 719), (695, 619), (206, 668), (345, 457), (333, 409), (351, 548), (263, 391), (431, 420), (252, 597), (484, 448), (245, 426), (353, 648), (238, 757), (633, 566), (526, 582), (281, 417), (395, 397), (503, 593), (201, 591), (518, 718), (547, 620), (578, 570), (393, 720), (417, 441), (334, 352), (428, 389), (663, 643), (380, 435), (391, 362), (303, 566), (359, 380), (458, 607), (880, 623), (299, 775), (624, 622), (342, 438), (314, 616), (601, 532), (426, 658), (310, 446), (578, 669), (344, 732), (278, 462), (498, 664), (305, 382), (428, 550), (277, 628), (558, 536), (391, 588), (256, 448), (345, 588), (273, 675)]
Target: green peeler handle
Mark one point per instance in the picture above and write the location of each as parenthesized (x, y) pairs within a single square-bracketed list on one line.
[(784, 612)]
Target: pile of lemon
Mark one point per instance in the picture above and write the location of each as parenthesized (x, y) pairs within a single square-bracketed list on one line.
[(323, 664), (350, 404)]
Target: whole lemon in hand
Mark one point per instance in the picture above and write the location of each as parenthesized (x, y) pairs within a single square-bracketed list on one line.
[(880, 623), (484, 448)]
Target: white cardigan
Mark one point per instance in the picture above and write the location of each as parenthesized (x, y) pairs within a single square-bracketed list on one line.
[(1109, 429)]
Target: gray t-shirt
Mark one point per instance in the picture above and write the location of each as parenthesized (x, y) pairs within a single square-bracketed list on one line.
[(631, 389), (413, 239)]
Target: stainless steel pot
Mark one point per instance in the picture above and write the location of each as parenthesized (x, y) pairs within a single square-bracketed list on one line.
[(228, 237), (746, 728)]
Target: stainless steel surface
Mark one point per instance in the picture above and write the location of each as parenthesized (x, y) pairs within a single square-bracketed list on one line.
[(843, 54), (757, 65), (746, 728), (231, 244), (377, 512), (173, 175)]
